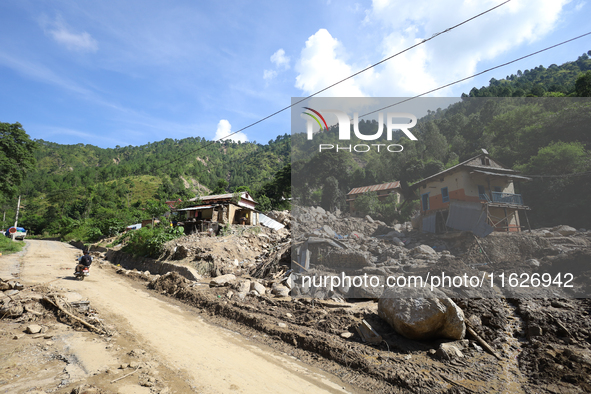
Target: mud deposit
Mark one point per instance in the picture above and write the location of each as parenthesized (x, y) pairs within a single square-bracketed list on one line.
[(313, 331)]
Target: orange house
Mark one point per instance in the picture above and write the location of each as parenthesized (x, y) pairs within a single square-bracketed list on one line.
[(479, 180)]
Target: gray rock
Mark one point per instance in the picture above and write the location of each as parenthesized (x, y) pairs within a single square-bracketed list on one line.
[(11, 292), (422, 314), (280, 291), (223, 280), (534, 331), (370, 292), (369, 219), (424, 250), (344, 289), (33, 329), (565, 230), (329, 231), (258, 287), (243, 286), (396, 241), (533, 263), (448, 352)]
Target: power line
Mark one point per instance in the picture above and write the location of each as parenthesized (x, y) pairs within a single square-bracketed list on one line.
[(559, 176), (477, 74), (338, 82)]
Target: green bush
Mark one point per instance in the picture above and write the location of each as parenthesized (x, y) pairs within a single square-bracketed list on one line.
[(8, 246), (148, 241)]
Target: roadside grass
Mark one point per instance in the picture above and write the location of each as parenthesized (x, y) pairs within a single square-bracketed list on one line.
[(8, 246)]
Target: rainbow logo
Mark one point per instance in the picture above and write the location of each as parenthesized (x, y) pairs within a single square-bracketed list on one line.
[(315, 118)]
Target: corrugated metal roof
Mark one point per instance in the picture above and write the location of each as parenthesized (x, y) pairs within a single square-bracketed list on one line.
[(244, 195), (373, 188), (268, 222), (197, 208), (503, 175), (458, 166)]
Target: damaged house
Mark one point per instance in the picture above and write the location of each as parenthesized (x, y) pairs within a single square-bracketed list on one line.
[(383, 191), (220, 209), (476, 195)]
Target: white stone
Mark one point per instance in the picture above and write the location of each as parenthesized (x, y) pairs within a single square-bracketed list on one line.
[(223, 280)]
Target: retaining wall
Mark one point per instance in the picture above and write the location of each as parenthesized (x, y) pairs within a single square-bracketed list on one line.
[(142, 264)]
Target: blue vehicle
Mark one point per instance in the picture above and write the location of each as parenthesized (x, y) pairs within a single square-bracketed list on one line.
[(20, 233)]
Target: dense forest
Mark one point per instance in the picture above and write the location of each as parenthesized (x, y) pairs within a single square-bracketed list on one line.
[(533, 121), (536, 122), (82, 191)]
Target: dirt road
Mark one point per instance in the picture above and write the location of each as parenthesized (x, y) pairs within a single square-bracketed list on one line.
[(212, 359)]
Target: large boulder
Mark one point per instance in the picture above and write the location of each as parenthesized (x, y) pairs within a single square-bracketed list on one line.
[(422, 314), (565, 230), (424, 250)]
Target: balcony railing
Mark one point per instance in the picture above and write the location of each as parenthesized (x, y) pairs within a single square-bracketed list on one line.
[(507, 198)]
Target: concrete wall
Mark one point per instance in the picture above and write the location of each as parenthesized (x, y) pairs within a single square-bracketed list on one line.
[(146, 264)]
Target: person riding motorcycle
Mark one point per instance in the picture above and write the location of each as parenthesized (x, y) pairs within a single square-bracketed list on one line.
[(84, 261)]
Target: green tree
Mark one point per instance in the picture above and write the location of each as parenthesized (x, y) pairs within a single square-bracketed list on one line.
[(221, 186), (156, 209), (16, 156), (583, 85)]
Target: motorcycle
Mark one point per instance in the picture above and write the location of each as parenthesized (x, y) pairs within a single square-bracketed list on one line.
[(81, 274)]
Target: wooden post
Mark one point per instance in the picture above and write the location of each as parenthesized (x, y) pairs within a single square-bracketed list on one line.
[(506, 218), (527, 219)]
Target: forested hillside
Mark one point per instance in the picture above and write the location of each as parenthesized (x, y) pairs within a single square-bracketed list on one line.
[(86, 191), (532, 121), (548, 137)]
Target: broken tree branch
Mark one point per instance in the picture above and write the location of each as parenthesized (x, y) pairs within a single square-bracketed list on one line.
[(58, 306), (481, 341), (122, 377)]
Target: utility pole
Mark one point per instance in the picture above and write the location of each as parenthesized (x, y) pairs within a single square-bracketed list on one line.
[(18, 205)]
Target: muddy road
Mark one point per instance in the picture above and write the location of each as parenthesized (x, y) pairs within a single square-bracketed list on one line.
[(211, 359)]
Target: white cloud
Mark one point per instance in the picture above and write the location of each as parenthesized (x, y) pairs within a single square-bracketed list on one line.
[(321, 64), (580, 6), (280, 60), (446, 58), (60, 32), (269, 74), (225, 128)]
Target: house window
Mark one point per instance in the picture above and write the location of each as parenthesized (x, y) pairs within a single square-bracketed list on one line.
[(444, 194), (425, 201), (481, 192), (498, 189), (485, 161)]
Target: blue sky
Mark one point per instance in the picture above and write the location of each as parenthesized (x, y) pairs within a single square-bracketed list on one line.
[(129, 72)]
